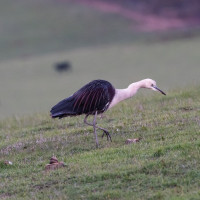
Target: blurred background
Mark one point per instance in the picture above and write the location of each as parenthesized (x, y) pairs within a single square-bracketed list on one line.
[(50, 48)]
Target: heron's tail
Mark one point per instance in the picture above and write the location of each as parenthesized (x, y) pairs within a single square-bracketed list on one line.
[(62, 109)]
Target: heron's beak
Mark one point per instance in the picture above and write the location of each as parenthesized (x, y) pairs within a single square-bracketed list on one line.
[(159, 90)]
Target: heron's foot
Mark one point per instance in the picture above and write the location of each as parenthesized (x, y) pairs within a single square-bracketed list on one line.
[(107, 135)]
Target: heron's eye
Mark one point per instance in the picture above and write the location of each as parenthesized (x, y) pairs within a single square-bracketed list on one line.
[(152, 85)]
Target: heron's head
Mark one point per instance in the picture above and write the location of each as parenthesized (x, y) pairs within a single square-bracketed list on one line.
[(151, 84)]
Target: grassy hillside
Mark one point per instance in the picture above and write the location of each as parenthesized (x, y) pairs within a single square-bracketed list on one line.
[(31, 85), (36, 27), (165, 164), (36, 34)]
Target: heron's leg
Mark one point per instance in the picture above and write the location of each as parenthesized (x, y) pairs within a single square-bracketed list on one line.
[(104, 130), (85, 121), (94, 126)]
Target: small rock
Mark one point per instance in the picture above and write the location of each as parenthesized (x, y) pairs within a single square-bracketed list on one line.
[(129, 141), (7, 162), (53, 160), (54, 164)]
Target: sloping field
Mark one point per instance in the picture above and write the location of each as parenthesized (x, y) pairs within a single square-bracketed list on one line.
[(165, 164), (35, 27), (32, 85), (31, 32), (36, 34)]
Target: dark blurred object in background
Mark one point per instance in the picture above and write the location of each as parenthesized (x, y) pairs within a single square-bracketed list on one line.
[(63, 67)]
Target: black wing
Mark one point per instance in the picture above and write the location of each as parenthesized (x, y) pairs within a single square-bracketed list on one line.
[(95, 96)]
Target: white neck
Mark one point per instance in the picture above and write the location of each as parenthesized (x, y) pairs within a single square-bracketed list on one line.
[(122, 94)]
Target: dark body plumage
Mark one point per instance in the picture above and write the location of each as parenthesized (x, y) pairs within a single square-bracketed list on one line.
[(95, 96)]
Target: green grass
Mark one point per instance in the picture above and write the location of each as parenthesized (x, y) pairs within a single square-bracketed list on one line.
[(165, 164), (32, 85), (36, 34), (35, 27)]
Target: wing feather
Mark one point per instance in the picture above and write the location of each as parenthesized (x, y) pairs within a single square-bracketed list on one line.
[(86, 104), (100, 99), (94, 96), (78, 97)]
